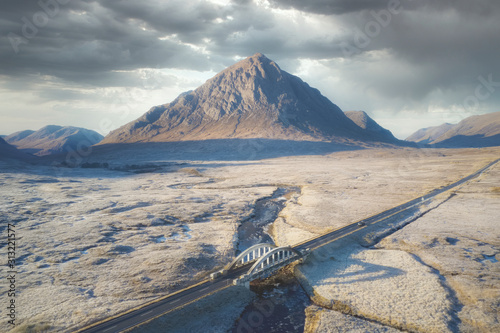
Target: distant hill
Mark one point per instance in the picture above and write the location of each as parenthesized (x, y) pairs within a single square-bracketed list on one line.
[(254, 98), (8, 151), (363, 120), (17, 136), (430, 134), (475, 131), (53, 139)]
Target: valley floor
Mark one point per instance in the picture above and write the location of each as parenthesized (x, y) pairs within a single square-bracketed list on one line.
[(95, 242)]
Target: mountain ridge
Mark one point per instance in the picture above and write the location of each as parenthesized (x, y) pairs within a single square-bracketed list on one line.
[(428, 134), (53, 139), (474, 131)]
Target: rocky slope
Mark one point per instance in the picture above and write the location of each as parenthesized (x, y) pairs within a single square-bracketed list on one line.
[(363, 120), (475, 131), (54, 139), (252, 99)]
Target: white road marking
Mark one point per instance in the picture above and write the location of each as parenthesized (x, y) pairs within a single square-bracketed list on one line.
[(142, 315), (107, 329), (177, 300), (205, 288)]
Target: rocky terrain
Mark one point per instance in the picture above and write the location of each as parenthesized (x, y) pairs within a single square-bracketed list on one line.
[(252, 99), (54, 139), (99, 241), (475, 131)]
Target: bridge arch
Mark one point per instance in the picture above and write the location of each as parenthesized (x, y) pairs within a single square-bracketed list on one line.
[(250, 254), (278, 254)]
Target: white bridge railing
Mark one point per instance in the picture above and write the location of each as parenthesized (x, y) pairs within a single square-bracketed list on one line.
[(267, 258), (269, 261)]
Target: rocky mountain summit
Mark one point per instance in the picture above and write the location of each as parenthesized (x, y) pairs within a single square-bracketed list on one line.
[(475, 131), (53, 139), (254, 98)]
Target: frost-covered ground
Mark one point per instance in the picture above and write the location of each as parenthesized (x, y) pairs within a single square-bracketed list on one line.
[(460, 241), (94, 242), (441, 273), (327, 321)]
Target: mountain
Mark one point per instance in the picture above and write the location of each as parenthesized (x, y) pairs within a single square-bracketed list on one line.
[(363, 120), (17, 136), (54, 139), (254, 98), (474, 131), (429, 134), (8, 151)]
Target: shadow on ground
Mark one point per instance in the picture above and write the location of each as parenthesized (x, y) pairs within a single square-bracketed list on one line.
[(215, 150)]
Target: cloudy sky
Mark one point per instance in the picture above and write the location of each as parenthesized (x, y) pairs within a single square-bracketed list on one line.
[(100, 64)]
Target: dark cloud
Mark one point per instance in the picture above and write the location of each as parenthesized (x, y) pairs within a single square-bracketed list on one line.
[(87, 39), (97, 36), (444, 50), (444, 46), (91, 38), (424, 48), (189, 19), (329, 7), (339, 7)]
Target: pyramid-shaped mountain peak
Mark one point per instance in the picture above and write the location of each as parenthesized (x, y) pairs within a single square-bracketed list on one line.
[(253, 98), (261, 61), (258, 60), (257, 67)]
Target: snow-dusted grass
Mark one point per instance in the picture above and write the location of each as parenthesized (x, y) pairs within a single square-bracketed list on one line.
[(390, 287), (328, 321), (461, 240), (88, 240), (438, 274), (94, 242)]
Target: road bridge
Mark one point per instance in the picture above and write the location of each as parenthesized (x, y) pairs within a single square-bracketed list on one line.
[(266, 259)]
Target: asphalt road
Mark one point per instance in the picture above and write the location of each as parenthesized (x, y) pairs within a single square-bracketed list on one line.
[(191, 294)]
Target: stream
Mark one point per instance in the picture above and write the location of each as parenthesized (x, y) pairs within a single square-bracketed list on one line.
[(279, 306), (254, 229)]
